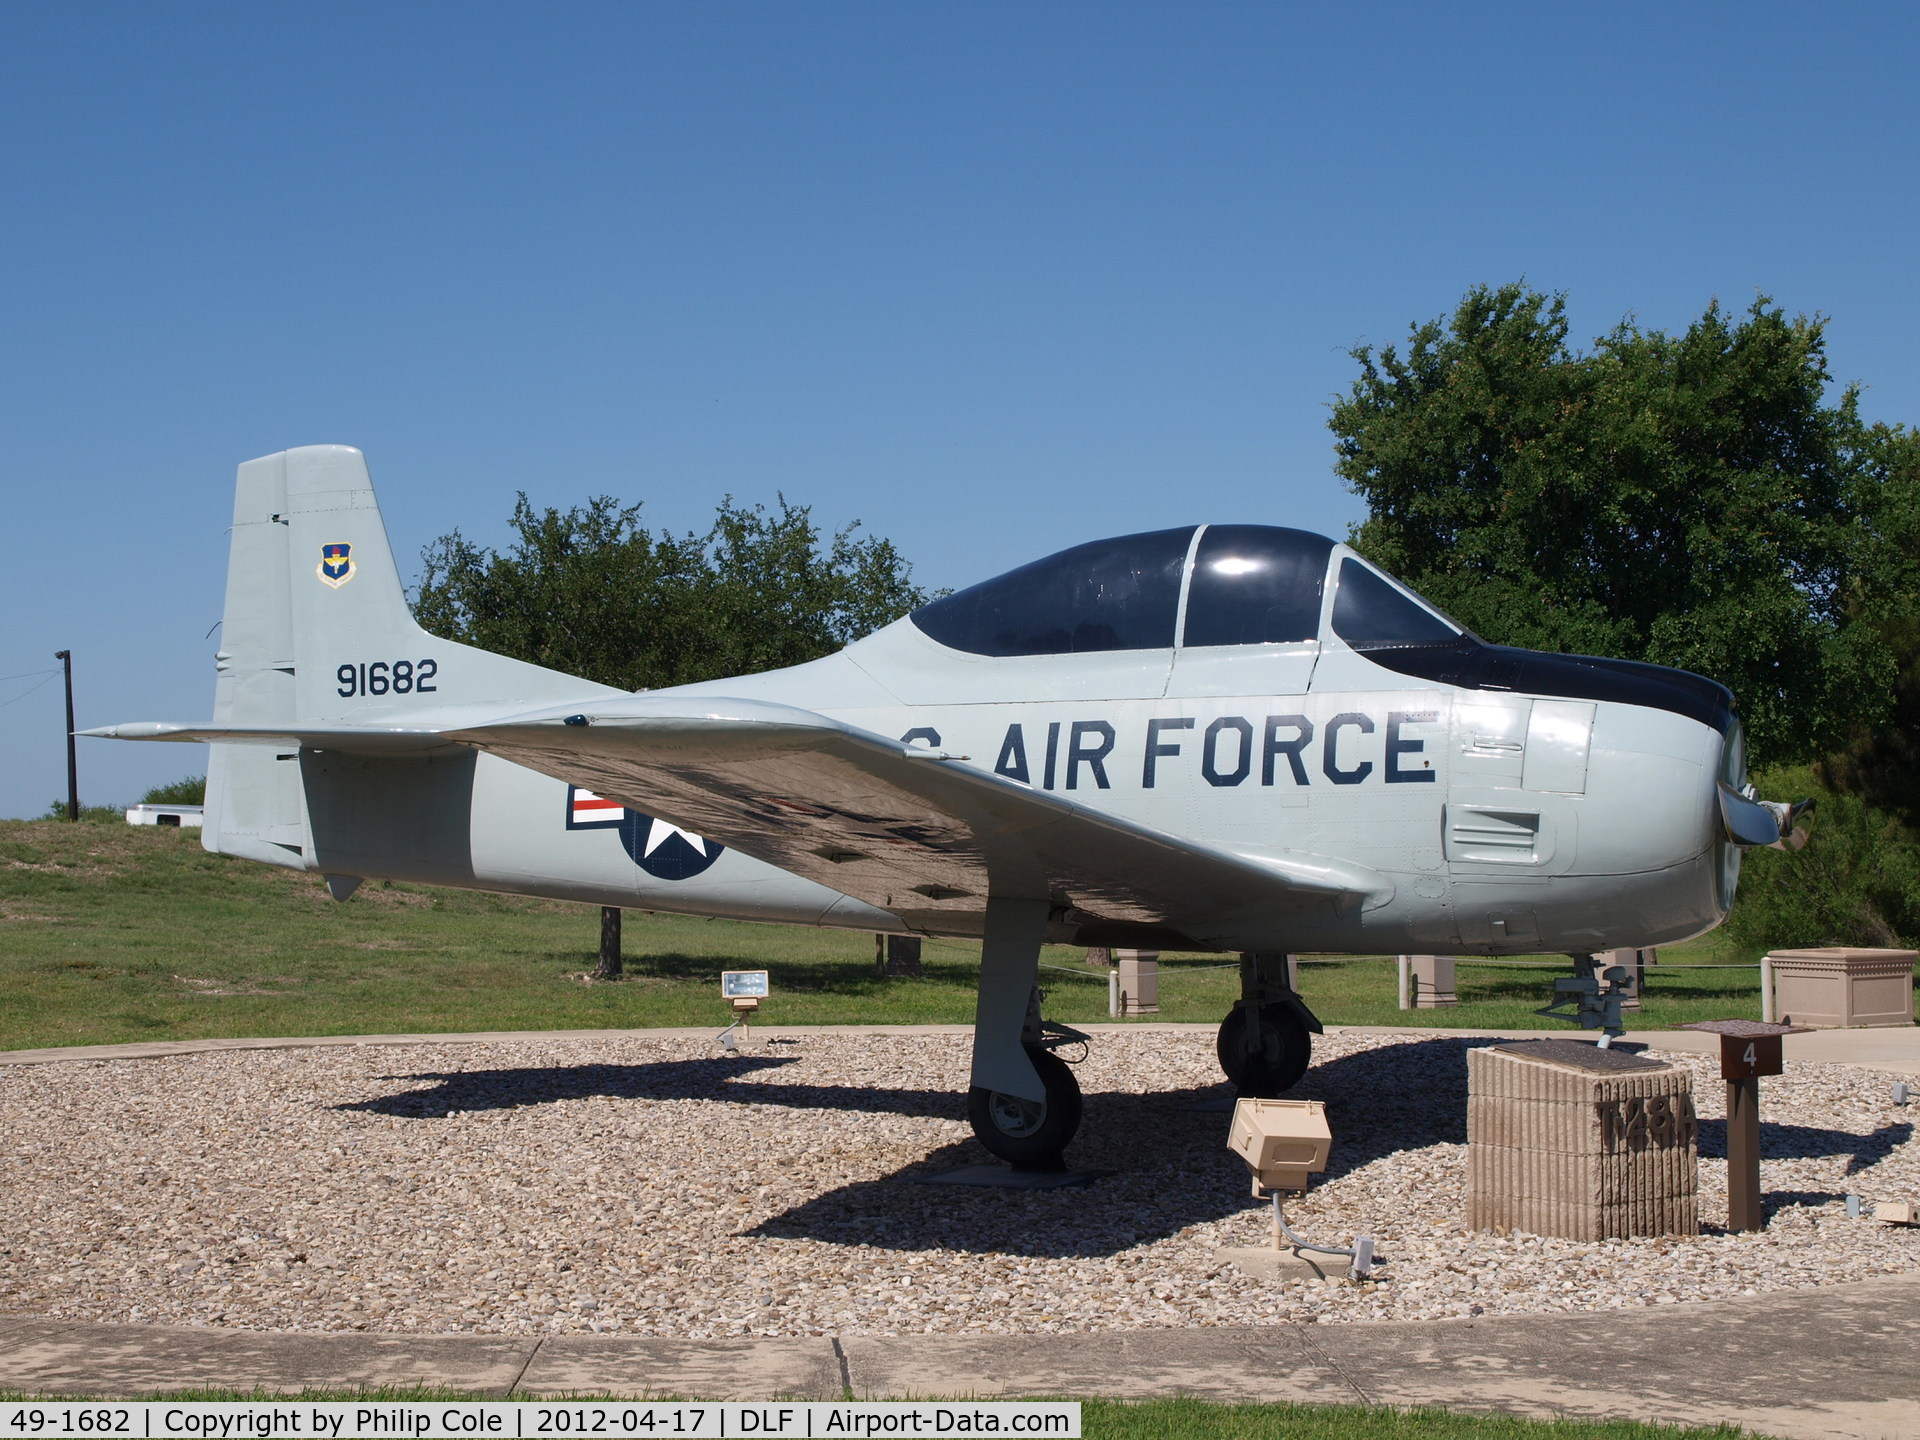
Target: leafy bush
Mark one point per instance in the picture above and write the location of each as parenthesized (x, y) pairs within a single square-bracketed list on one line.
[(89, 814), (190, 791), (1856, 883)]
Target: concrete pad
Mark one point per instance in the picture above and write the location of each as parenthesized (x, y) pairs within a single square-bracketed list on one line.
[(1263, 1262), (1280, 1363), (1004, 1177), (1830, 1362), (58, 1357), (765, 1369), (1834, 1363)]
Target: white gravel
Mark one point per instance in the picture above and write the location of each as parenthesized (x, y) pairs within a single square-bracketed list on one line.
[(648, 1187)]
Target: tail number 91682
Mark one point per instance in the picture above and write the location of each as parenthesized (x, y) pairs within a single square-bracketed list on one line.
[(388, 677)]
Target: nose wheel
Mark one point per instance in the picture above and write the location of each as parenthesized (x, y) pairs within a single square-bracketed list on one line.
[(1029, 1134), (1266, 1041), (1261, 1060)]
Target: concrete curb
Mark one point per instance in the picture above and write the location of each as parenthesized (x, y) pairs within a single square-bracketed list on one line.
[(1826, 1364), (1895, 1050)]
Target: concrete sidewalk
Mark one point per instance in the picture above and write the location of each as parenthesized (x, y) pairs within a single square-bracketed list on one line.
[(1894, 1049), (1836, 1363)]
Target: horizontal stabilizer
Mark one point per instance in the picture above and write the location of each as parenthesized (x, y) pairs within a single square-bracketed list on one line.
[(353, 739)]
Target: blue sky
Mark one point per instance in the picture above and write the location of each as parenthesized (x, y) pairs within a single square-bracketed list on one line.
[(993, 279)]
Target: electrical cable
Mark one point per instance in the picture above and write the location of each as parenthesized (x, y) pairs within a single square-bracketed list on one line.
[(29, 690)]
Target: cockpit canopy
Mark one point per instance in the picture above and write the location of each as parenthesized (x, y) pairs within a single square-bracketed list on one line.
[(1246, 585)]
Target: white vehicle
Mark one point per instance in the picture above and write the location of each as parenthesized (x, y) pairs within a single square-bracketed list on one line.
[(1217, 737)]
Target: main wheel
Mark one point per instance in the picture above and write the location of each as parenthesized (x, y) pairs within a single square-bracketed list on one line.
[(1028, 1134), (1276, 1063)]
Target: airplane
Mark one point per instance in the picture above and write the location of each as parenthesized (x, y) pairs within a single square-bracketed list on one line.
[(1237, 738)]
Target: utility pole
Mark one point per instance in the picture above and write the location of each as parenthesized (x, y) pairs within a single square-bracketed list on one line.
[(65, 657)]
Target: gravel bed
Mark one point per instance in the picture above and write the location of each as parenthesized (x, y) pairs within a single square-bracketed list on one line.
[(652, 1187)]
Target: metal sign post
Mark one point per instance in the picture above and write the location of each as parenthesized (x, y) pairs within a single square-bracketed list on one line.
[(1748, 1050)]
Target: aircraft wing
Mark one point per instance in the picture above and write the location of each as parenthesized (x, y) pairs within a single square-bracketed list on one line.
[(902, 828), (908, 830)]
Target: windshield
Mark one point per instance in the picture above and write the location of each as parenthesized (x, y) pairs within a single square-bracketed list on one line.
[(1370, 613)]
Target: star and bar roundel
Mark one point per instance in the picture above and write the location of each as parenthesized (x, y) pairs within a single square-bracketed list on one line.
[(660, 848)]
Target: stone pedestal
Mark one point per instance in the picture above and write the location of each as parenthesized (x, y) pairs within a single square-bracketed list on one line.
[(1567, 1139), (1137, 982), (1838, 988), (1430, 982), (896, 954)]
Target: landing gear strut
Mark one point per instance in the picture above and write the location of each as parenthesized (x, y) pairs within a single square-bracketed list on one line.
[(1024, 1103), (1265, 1043)]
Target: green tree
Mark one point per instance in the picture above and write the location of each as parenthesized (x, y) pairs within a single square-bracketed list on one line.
[(1694, 500), (592, 592), (1857, 883), (190, 791)]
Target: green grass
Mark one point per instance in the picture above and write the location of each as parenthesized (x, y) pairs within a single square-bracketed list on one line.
[(111, 932), (1177, 1419), (1185, 1419)]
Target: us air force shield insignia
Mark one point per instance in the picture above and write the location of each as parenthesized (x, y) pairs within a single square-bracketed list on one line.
[(336, 565), (659, 847)]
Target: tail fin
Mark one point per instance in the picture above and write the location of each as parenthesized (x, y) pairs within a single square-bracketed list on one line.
[(317, 629)]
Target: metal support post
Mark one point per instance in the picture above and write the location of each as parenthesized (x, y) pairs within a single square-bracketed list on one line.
[(1003, 1009), (1744, 1210)]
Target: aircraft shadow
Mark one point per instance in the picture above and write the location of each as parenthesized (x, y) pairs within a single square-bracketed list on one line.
[(464, 1091), (1808, 1142), (1168, 1166)]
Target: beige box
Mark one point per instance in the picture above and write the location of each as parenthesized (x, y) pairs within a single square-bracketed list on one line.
[(1567, 1139), (1897, 1212), (1282, 1141), (1839, 988)]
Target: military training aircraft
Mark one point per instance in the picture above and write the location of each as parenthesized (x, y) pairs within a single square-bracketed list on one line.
[(1216, 737)]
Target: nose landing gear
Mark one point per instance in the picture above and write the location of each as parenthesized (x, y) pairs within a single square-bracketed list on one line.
[(1266, 1042)]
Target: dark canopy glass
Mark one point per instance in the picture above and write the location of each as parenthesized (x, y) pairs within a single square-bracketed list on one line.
[(1117, 594), (1370, 614), (1256, 584)]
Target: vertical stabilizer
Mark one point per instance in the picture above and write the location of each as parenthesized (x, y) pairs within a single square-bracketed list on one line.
[(317, 629)]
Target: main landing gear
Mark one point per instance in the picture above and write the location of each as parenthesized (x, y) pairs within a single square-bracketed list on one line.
[(1266, 1042), (1029, 1134), (1024, 1103)]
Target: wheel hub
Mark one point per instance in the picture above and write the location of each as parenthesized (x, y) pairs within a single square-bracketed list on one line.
[(1016, 1115)]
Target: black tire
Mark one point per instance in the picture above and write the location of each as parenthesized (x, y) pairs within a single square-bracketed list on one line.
[(1025, 1135), (1285, 1051)]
